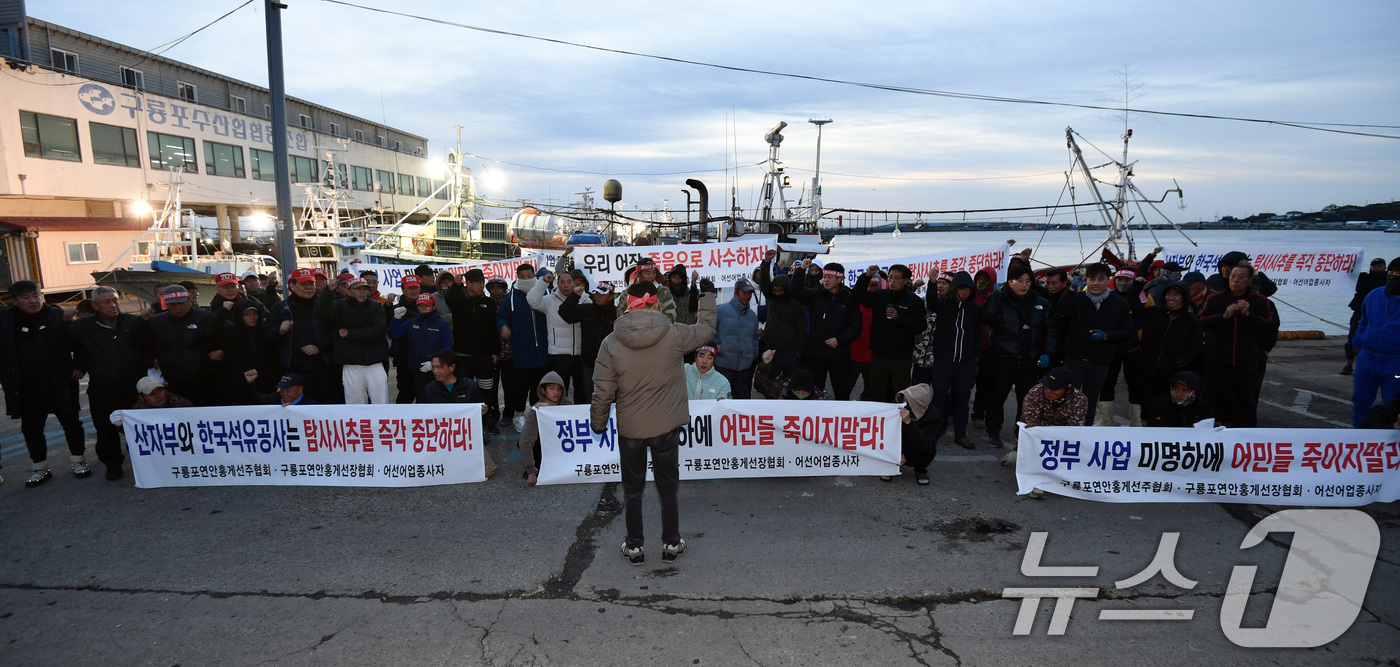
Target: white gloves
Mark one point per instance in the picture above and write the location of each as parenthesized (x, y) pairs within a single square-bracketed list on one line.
[(116, 418), (426, 367), (400, 312)]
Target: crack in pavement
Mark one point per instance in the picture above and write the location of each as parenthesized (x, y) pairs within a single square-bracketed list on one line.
[(585, 547)]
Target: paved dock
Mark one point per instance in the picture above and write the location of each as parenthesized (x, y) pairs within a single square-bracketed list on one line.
[(780, 571)]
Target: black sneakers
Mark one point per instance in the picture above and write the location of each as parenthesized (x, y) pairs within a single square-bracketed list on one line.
[(922, 476), (635, 555), (995, 440), (669, 552)]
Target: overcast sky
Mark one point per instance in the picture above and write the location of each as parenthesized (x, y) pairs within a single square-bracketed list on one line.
[(566, 108)]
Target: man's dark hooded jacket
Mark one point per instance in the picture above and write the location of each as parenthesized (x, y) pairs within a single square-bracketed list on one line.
[(831, 316), (957, 331), (1164, 412)]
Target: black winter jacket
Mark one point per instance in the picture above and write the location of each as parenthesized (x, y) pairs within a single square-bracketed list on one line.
[(474, 331), (892, 338), (246, 349), (306, 330), (595, 323), (36, 361), (830, 316), (1019, 329), (1171, 342), (1076, 317), (113, 356), (463, 391), (957, 329), (182, 345), (366, 342), (786, 327), (1239, 341)]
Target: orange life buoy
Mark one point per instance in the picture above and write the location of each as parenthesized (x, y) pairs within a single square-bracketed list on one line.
[(422, 244)]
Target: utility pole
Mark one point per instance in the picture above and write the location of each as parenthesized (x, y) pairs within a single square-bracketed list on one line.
[(277, 87)]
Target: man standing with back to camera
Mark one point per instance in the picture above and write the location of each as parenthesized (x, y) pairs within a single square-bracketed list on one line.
[(640, 366)]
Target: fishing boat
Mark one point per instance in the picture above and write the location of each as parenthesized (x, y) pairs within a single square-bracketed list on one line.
[(175, 249)]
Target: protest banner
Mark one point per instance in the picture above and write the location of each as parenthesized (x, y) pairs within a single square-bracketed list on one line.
[(1301, 467), (731, 439), (1292, 268), (313, 445), (722, 263), (389, 274), (966, 259)]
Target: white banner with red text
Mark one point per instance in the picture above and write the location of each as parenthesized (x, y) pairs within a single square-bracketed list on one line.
[(389, 274), (312, 445), (733, 439), (722, 263), (1292, 268), (966, 259), (1279, 466)]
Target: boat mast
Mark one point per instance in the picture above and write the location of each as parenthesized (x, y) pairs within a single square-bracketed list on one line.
[(774, 182), (1114, 219)]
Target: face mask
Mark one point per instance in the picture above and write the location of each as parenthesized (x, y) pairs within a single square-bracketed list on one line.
[(1171, 276), (524, 284), (1189, 399), (1392, 284)]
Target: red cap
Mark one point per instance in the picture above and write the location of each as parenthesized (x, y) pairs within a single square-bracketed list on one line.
[(227, 279), (302, 275), (1125, 273), (319, 272), (409, 281), (427, 299), (356, 282)]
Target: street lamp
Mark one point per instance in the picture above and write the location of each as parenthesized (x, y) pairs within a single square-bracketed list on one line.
[(816, 179)]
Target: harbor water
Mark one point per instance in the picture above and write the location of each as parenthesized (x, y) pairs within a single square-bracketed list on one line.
[(1299, 310)]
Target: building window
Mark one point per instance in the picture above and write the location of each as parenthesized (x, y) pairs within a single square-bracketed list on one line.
[(425, 187), (114, 145), (134, 78), (82, 253), (303, 169), (381, 140), (405, 185), (398, 145), (264, 164), (444, 193), (238, 104), (187, 91), (385, 181), (267, 111), (363, 178), (49, 137), (169, 151), (359, 135), (223, 160), (64, 60), (304, 119), (335, 129)]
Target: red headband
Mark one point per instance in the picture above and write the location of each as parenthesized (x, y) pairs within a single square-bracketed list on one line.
[(640, 302), (833, 274), (707, 348)]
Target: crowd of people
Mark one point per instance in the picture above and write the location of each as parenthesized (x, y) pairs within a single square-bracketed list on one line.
[(1186, 347)]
